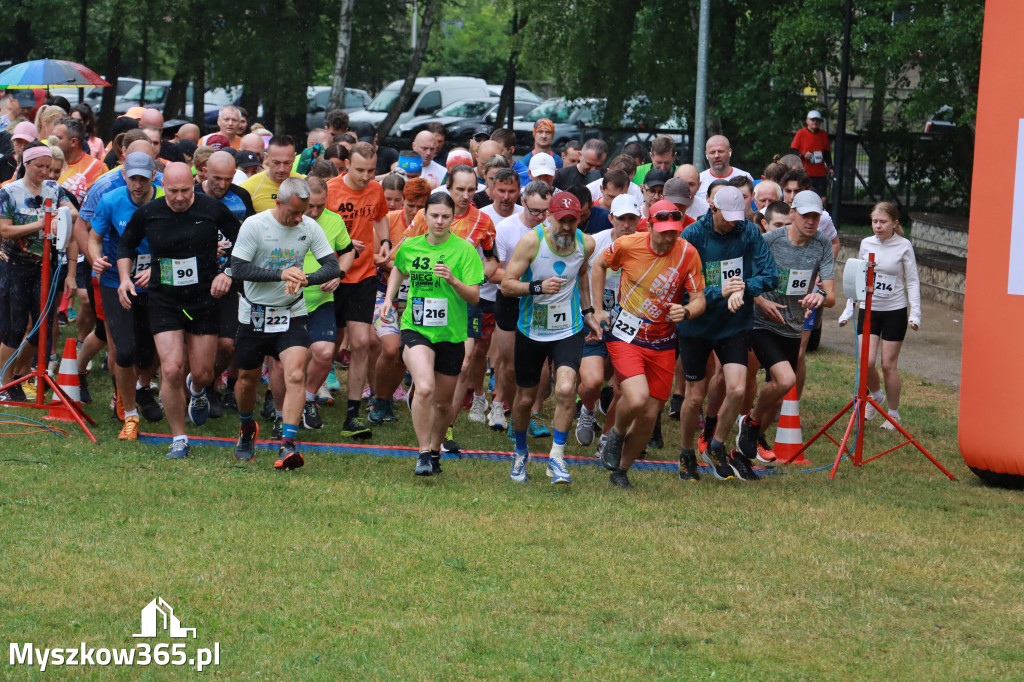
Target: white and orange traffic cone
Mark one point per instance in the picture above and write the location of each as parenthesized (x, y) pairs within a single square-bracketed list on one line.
[(788, 437), (67, 379)]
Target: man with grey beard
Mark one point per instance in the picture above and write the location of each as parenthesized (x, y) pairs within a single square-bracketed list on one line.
[(554, 316)]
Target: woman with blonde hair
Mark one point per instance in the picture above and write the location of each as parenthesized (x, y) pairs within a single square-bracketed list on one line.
[(46, 120), (896, 303), (57, 162)]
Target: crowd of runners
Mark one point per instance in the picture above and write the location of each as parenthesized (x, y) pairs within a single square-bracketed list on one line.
[(479, 281)]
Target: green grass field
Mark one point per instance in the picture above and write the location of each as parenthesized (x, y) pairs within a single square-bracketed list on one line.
[(352, 568)]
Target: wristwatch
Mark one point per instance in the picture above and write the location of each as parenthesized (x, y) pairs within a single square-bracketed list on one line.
[(686, 313), (587, 311)]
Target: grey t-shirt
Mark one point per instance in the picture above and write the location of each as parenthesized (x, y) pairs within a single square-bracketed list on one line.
[(798, 268), (266, 243)]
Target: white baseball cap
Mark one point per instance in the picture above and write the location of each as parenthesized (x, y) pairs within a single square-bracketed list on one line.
[(729, 200), (807, 202), (814, 113), (625, 204), (542, 164)]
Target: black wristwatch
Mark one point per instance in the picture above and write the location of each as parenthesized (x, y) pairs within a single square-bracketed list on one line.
[(686, 313), (587, 311), (342, 275), (390, 245)]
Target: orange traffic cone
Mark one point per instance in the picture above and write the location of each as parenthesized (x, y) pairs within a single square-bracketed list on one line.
[(788, 437), (67, 379)]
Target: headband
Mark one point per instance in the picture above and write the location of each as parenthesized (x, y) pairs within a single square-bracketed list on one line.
[(36, 153)]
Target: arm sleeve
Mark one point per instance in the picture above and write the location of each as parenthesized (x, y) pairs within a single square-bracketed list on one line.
[(132, 236), (346, 249), (244, 271), (913, 284), (328, 269), (766, 275)]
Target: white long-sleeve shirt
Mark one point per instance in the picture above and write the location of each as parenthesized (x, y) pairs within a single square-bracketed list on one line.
[(896, 279)]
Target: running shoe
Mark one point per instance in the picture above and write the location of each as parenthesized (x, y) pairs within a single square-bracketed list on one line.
[(423, 467), (887, 425), (229, 399), (519, 462), (764, 453), (538, 429), (216, 403), (277, 432), (688, 468), (118, 407), (323, 395), (741, 466), (311, 416), (29, 387), (870, 412), (719, 462), (345, 358), (354, 428), (130, 430), (83, 387), (179, 450), (558, 470), (496, 418), (435, 466), (148, 405), (620, 479), (656, 441), (611, 453), (389, 412), (607, 395), (400, 393), (675, 406), (288, 458), (449, 444), (367, 393), (376, 415), (746, 438), (13, 395), (467, 400), (600, 444), (245, 449), (198, 405), (269, 409), (478, 410), (703, 442), (332, 381), (585, 427)]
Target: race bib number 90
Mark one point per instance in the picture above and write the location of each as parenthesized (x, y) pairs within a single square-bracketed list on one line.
[(179, 272)]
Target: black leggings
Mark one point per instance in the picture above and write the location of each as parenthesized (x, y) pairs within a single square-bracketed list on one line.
[(22, 286)]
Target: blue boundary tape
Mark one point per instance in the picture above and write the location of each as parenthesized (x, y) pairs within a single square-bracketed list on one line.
[(409, 452)]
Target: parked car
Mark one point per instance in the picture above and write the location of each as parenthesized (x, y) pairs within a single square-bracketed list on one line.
[(461, 118), (155, 97), (217, 98), (430, 94), (318, 95), (460, 132), (94, 95), (569, 116), (522, 94)]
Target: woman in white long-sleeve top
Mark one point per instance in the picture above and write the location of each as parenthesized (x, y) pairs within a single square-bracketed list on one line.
[(896, 303)]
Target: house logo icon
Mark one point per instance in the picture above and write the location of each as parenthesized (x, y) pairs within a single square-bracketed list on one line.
[(159, 613)]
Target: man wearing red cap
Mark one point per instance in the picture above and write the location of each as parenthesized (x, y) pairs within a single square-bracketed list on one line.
[(657, 271), (554, 311)]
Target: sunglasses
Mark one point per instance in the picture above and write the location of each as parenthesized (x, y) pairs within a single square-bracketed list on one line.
[(665, 216)]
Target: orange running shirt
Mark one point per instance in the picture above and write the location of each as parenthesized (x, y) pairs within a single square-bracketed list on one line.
[(649, 284), (475, 227), (78, 178), (360, 210)]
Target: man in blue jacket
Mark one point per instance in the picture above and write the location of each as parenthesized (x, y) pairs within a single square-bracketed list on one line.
[(737, 267)]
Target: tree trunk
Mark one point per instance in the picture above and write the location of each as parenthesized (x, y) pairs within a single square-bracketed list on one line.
[(337, 98), (198, 93), (83, 15), (506, 106), (405, 96), (106, 117), (877, 161)]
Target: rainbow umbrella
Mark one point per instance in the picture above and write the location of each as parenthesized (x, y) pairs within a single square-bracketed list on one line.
[(50, 73)]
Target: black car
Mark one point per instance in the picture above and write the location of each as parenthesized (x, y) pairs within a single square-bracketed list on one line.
[(571, 118), (461, 118)]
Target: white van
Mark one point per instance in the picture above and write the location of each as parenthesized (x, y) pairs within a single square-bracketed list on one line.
[(429, 95)]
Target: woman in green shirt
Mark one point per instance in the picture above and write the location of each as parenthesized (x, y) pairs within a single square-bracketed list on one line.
[(444, 273)]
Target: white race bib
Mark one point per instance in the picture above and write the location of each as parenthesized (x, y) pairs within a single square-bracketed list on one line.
[(179, 272), (142, 263), (885, 285), (816, 157), (435, 312), (626, 327), (732, 268), (799, 281), (277, 320), (559, 316), (403, 290)]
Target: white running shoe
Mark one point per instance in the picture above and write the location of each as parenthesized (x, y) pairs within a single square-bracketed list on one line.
[(478, 410), (556, 467), (887, 425), (869, 410), (519, 462), (496, 418)]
